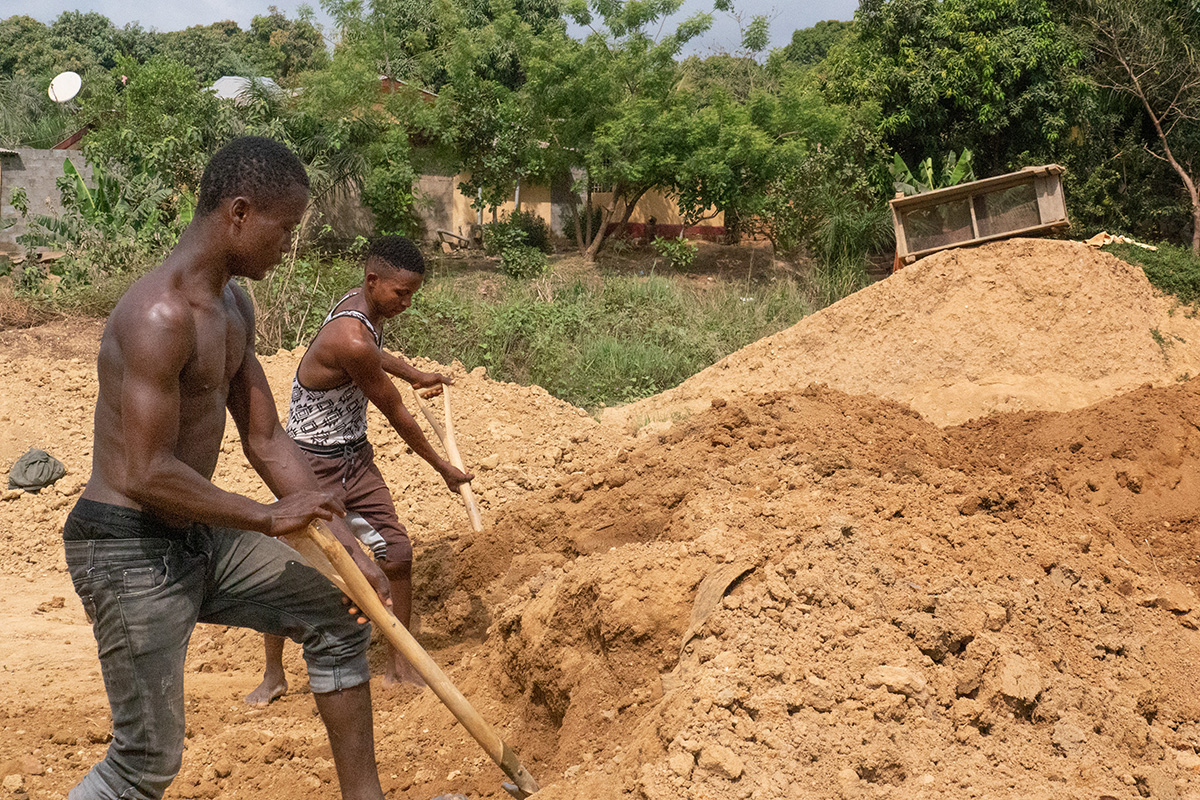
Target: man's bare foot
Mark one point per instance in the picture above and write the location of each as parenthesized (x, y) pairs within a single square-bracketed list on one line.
[(399, 671), (270, 689)]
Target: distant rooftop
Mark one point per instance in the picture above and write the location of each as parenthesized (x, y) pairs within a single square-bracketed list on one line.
[(231, 87)]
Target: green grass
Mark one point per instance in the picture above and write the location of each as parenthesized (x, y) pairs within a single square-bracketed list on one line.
[(591, 337), (1170, 268), (600, 340)]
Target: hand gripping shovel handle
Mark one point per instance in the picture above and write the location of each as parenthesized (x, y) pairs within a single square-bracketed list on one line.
[(327, 555), (446, 435)]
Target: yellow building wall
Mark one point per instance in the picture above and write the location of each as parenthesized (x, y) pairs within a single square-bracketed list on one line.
[(664, 210)]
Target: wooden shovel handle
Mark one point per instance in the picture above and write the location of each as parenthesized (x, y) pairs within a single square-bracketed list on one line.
[(327, 555), (446, 435)]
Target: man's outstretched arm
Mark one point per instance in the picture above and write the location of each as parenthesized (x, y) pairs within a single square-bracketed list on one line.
[(398, 365), (363, 362)]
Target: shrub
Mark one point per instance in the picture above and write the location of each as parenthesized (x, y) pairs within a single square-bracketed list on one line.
[(537, 232), (523, 261), (520, 228), (679, 253), (501, 236)]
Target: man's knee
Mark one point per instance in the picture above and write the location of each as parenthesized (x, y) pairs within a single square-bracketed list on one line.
[(398, 570)]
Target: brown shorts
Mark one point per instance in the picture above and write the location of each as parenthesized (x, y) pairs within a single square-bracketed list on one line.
[(357, 482)]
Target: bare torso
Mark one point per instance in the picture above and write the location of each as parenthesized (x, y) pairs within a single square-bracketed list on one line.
[(216, 335)]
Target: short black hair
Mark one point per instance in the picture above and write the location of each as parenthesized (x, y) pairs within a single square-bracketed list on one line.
[(397, 252), (252, 166)]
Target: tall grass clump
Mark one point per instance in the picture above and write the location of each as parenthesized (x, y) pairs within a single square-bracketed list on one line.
[(291, 303)]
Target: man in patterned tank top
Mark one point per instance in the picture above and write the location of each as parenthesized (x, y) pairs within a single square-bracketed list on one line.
[(344, 369)]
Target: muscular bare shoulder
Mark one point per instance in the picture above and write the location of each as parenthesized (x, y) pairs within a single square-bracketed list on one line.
[(346, 341), (153, 320)]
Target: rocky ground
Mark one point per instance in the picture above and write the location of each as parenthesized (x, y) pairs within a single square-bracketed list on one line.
[(903, 549)]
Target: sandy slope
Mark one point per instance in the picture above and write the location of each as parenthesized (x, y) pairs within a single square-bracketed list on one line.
[(794, 592)]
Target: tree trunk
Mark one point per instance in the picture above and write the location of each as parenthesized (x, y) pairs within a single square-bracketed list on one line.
[(1195, 225), (597, 241), (1188, 183)]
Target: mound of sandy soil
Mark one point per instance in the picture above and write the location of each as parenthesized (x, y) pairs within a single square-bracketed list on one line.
[(1026, 324), (796, 594)]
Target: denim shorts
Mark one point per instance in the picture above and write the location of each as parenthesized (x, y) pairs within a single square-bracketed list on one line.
[(145, 593)]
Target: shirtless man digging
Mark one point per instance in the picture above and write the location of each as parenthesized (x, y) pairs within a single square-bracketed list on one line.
[(343, 369), (153, 547)]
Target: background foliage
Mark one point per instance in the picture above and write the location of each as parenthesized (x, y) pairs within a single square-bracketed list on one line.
[(801, 146)]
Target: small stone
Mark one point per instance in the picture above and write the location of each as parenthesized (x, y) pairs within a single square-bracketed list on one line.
[(1188, 760), (898, 680), (1176, 599), (490, 462), (98, 735), (1157, 784), (14, 783), (1067, 737), (223, 768), (681, 764), (721, 761), (1019, 679)]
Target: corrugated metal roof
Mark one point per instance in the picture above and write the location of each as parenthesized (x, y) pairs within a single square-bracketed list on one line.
[(230, 87)]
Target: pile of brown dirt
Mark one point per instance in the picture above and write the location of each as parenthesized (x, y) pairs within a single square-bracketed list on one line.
[(910, 613), (1027, 324), (798, 594)]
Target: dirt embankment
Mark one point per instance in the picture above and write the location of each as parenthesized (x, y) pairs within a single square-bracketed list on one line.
[(1027, 324), (794, 594)]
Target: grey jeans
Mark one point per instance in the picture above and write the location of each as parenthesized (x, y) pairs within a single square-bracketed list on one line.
[(145, 594)]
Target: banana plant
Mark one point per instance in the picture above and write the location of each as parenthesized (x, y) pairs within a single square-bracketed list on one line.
[(956, 168), (110, 208)]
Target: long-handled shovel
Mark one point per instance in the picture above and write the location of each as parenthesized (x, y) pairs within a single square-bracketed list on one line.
[(446, 434), (326, 554)]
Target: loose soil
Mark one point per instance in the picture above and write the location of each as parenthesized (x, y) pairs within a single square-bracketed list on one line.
[(787, 589), (1026, 324)]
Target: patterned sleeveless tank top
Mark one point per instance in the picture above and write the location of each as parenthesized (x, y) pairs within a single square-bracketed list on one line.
[(330, 421)]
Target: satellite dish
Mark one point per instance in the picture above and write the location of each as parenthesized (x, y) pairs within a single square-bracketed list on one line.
[(65, 86)]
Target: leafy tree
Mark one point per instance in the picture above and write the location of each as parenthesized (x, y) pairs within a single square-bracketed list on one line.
[(1001, 77), (25, 47), (88, 41), (1148, 52), (211, 50), (155, 118), (81, 41), (811, 45), (281, 47), (414, 39), (609, 106), (482, 115), (28, 117)]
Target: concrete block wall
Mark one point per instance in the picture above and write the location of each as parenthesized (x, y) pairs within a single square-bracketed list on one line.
[(37, 172)]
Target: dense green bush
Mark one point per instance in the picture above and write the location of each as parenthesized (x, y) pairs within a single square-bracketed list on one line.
[(679, 252), (523, 261), (518, 229), (537, 232), (501, 236)]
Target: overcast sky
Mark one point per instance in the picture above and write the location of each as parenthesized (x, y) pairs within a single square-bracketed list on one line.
[(786, 15)]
